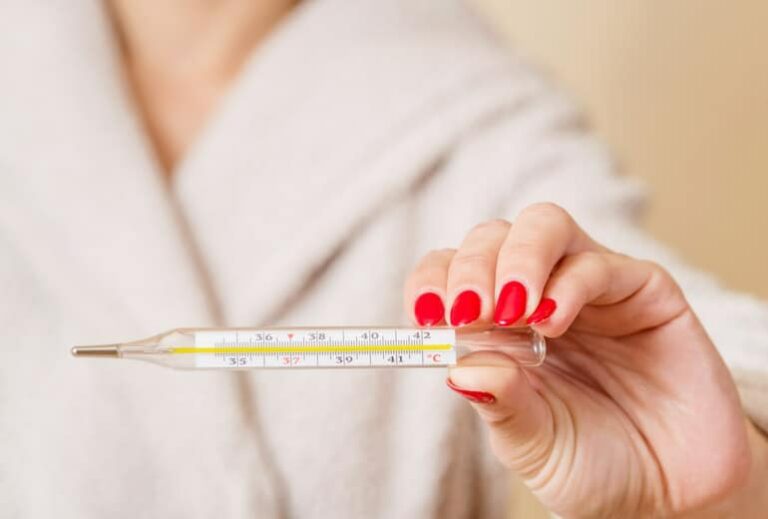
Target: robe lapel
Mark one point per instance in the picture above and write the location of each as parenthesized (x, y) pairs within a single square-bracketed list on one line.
[(332, 120), (80, 193)]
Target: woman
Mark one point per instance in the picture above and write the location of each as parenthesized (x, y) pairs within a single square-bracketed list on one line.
[(166, 164)]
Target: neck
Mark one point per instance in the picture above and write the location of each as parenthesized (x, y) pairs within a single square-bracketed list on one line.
[(181, 55), (203, 38)]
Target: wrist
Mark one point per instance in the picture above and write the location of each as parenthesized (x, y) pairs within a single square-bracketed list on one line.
[(749, 499)]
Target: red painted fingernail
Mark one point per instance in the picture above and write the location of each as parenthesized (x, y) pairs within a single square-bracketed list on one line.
[(480, 397), (466, 308), (510, 305), (429, 309), (546, 308)]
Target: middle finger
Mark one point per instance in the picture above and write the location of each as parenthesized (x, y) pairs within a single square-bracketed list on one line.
[(472, 272)]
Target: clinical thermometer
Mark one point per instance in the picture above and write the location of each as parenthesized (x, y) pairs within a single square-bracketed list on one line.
[(324, 347)]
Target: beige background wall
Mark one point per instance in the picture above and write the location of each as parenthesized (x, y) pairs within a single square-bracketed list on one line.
[(680, 90)]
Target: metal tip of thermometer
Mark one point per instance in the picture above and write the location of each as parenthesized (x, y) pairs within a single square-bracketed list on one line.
[(106, 350)]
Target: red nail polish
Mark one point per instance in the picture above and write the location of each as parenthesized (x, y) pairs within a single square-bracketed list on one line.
[(480, 397), (510, 305), (466, 308), (429, 309), (543, 311)]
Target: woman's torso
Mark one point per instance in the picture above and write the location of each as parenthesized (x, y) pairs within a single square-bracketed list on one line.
[(307, 200)]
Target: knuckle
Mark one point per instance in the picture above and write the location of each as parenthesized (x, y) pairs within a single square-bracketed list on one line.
[(580, 272), (430, 273), (598, 260), (580, 284), (549, 219), (594, 262), (522, 250), (656, 271), (437, 254), (472, 262), (433, 260), (654, 268), (496, 223), (600, 264), (548, 210), (660, 281)]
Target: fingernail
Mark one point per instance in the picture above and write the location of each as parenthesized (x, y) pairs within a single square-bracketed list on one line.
[(429, 309), (480, 397), (510, 305), (546, 308), (466, 308)]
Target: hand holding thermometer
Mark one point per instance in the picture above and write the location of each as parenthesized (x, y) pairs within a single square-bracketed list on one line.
[(323, 347)]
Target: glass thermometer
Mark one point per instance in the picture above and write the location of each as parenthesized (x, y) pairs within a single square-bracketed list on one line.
[(323, 347)]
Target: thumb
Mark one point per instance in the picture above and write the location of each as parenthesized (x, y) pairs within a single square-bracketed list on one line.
[(518, 417)]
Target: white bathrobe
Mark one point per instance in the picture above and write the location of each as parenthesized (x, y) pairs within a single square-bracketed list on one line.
[(359, 136)]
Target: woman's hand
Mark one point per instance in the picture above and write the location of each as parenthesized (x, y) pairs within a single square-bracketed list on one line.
[(633, 414)]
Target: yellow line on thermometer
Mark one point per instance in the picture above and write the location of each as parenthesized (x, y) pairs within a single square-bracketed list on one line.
[(311, 349)]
